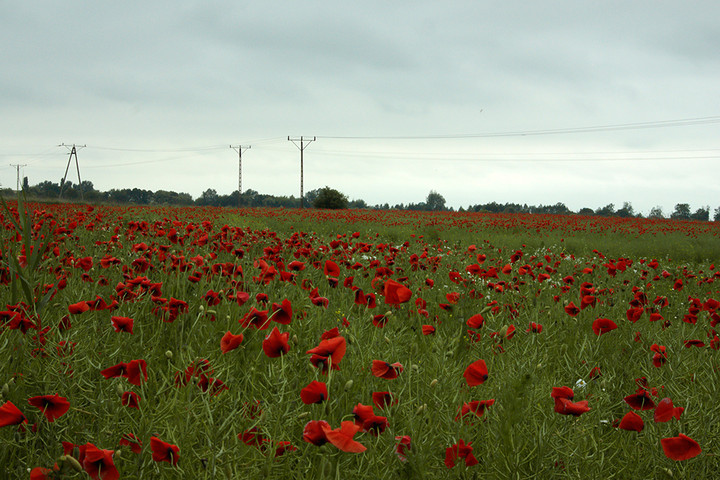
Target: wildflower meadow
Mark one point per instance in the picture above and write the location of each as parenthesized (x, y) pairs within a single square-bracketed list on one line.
[(355, 344)]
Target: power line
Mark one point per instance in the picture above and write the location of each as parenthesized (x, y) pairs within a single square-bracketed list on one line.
[(683, 122)]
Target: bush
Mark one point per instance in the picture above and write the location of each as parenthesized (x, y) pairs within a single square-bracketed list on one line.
[(331, 199)]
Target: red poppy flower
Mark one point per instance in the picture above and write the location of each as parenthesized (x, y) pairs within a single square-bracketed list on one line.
[(253, 437), (534, 328), (428, 330), (603, 325), (314, 432), (78, 308), (342, 437), (681, 447), (476, 321), (375, 424), (587, 301), (666, 410), (230, 342), (130, 440), (632, 421), (402, 447), (276, 343), (282, 312), (315, 392), (296, 266), (693, 343), (571, 309), (386, 370), (119, 370), (11, 415), (460, 450), (99, 463), (241, 298), (122, 324), (331, 269), (330, 350), (564, 406), (282, 447), (476, 373), (41, 473), (257, 319), (52, 406), (396, 293), (384, 399), (163, 451), (640, 400), (131, 400), (85, 263), (212, 298), (137, 372), (361, 413), (476, 407)]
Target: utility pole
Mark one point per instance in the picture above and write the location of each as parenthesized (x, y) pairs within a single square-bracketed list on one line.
[(302, 148), (240, 149), (73, 151), (17, 166)]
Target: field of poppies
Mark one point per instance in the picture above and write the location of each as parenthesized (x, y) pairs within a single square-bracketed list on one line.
[(272, 343)]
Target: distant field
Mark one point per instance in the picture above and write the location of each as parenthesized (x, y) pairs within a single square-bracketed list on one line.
[(271, 343)]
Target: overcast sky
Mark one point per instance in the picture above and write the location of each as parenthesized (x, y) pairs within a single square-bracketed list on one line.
[(158, 90)]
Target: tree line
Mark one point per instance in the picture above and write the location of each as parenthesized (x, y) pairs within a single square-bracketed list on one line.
[(325, 197)]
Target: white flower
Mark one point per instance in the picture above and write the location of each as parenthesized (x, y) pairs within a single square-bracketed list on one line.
[(580, 383)]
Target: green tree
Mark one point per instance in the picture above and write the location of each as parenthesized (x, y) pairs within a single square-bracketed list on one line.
[(606, 211), (627, 210), (716, 217), (682, 212), (208, 198), (702, 214), (435, 201), (656, 212), (330, 198)]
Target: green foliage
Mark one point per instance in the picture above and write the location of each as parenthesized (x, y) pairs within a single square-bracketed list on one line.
[(435, 202), (682, 212), (520, 436), (330, 198)]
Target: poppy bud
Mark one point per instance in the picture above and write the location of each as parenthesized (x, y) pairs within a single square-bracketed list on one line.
[(303, 414), (5, 389), (116, 454), (295, 340), (202, 308), (73, 462), (387, 340), (169, 354), (119, 389), (388, 313), (415, 367), (211, 312), (434, 382), (348, 385), (421, 409)]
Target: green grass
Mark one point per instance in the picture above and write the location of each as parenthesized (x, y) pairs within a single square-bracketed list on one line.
[(520, 436)]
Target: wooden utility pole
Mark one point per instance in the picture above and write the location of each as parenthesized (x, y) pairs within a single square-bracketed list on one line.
[(73, 151), (302, 148)]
